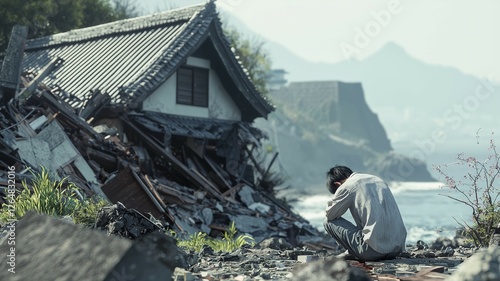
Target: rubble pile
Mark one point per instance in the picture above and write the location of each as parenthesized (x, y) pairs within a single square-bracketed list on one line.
[(123, 222), (192, 175)]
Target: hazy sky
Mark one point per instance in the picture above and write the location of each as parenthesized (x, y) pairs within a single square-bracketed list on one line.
[(458, 33)]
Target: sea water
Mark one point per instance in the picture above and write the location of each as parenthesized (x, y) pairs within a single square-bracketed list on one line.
[(426, 210)]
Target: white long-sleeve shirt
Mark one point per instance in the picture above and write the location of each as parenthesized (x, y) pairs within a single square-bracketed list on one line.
[(373, 209)]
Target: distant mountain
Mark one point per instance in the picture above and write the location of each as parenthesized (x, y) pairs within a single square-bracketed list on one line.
[(414, 100), (429, 111)]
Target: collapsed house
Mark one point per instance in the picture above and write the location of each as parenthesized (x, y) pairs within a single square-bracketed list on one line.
[(153, 112)]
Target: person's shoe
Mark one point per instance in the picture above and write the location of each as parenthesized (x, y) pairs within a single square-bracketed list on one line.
[(347, 256)]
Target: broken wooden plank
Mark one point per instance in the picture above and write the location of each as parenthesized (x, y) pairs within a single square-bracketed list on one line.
[(67, 112), (23, 127), (269, 167), (181, 197), (148, 192), (12, 63), (26, 92), (218, 172), (106, 161), (153, 190), (232, 191), (195, 178), (95, 104), (254, 161)]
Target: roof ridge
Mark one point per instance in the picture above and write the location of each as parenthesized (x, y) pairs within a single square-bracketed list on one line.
[(198, 24), (125, 25)]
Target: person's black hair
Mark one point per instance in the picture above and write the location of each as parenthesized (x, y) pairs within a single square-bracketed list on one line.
[(336, 174)]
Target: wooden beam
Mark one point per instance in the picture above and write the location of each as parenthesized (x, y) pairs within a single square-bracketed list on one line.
[(195, 178)]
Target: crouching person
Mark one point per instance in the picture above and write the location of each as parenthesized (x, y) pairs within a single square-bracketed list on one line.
[(379, 233)]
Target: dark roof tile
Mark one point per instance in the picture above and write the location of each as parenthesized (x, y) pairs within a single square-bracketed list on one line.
[(129, 59)]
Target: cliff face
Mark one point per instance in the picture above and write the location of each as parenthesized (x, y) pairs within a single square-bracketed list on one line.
[(320, 124)]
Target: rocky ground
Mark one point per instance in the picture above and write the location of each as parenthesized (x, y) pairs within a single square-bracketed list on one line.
[(274, 259), (155, 256)]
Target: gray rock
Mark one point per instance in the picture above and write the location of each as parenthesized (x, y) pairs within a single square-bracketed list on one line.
[(441, 243), (50, 249), (421, 245), (162, 248), (128, 223), (495, 237), (329, 269), (245, 194), (482, 266), (448, 252), (249, 224), (259, 207), (208, 215), (205, 228), (276, 244), (104, 129)]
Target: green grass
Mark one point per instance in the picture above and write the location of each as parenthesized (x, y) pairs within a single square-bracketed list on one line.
[(228, 243), (86, 211), (44, 195)]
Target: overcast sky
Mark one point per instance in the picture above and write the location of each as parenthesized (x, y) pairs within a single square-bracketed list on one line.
[(458, 33)]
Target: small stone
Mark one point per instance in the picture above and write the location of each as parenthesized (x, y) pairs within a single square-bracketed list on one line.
[(429, 255), (219, 207), (208, 215), (276, 244), (306, 258), (421, 245), (259, 207), (249, 224), (329, 269), (441, 243), (245, 194), (448, 252), (206, 250), (265, 276)]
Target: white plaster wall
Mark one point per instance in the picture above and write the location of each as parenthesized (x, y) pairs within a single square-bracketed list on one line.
[(220, 104)]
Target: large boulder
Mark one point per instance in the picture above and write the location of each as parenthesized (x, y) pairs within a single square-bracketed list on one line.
[(46, 248), (482, 266)]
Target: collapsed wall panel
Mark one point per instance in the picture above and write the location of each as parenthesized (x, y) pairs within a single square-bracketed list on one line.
[(127, 188)]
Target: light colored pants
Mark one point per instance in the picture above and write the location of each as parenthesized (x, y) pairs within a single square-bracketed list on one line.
[(351, 238)]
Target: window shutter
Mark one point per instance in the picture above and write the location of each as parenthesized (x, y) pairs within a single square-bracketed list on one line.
[(200, 87), (184, 86), (192, 86)]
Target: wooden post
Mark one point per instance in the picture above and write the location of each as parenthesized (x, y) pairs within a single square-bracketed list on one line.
[(12, 63)]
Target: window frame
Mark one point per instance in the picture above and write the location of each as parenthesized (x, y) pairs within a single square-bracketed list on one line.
[(193, 94)]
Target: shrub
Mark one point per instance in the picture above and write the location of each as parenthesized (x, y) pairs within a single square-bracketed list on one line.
[(86, 211), (227, 244), (45, 196), (478, 190), (195, 242), (54, 198)]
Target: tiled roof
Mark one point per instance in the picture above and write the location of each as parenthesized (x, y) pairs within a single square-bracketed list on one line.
[(129, 59)]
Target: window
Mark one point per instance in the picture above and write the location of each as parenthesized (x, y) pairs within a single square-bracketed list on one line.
[(192, 86)]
